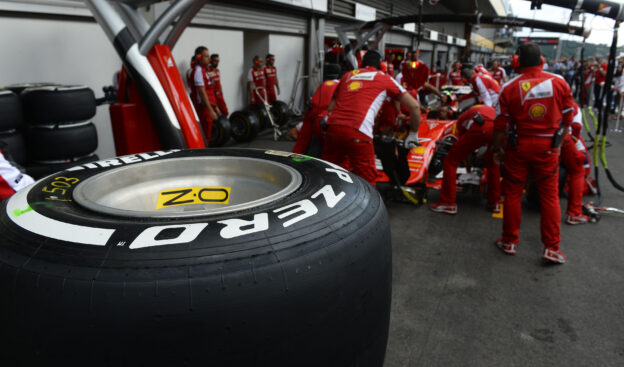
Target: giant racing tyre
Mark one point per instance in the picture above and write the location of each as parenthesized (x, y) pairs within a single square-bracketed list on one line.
[(61, 141), (262, 114), (284, 260), (245, 125), (41, 169), (10, 111), (280, 112), (58, 104), (221, 132), (12, 146)]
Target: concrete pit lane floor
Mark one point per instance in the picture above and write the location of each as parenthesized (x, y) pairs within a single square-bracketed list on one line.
[(459, 301)]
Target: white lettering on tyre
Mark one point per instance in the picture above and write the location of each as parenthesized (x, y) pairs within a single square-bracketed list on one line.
[(330, 196), (22, 214), (305, 207), (148, 238), (343, 175), (129, 159), (234, 227)]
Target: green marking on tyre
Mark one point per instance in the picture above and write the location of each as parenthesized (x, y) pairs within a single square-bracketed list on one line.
[(300, 158), (18, 212)]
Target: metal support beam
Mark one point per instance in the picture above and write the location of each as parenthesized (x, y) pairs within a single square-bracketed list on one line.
[(312, 63), (362, 37), (183, 22), (136, 22), (481, 19), (605, 8), (160, 25)]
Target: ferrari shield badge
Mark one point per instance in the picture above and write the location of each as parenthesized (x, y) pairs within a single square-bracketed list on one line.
[(526, 86)]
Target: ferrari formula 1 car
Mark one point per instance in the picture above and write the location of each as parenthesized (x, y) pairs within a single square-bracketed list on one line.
[(407, 174)]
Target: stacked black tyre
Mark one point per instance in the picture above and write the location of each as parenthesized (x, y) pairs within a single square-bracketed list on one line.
[(59, 132), (11, 122), (245, 125), (281, 112), (261, 112), (292, 267), (221, 132)]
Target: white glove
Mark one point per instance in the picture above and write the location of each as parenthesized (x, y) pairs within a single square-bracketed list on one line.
[(411, 140)]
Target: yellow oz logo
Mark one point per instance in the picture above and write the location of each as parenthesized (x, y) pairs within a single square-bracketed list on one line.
[(193, 195)]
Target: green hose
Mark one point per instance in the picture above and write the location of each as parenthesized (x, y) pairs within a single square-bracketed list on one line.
[(593, 115), (603, 152)]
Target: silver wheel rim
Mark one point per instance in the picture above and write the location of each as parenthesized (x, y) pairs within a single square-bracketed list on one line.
[(134, 191)]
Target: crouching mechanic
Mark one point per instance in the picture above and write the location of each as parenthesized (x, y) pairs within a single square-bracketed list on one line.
[(573, 158), (533, 103), (475, 128), (358, 98), (202, 91)]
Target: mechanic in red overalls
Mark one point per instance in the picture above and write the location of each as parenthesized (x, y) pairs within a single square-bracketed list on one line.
[(256, 79), (270, 73), (202, 91), (390, 63), (11, 178), (311, 127), (358, 98), (600, 76), (454, 77), (475, 128), (498, 73), (215, 74), (386, 120), (436, 78), (540, 107), (573, 159), (483, 85), (404, 64)]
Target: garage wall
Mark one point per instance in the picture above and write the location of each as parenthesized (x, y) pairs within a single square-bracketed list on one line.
[(61, 51), (229, 45), (288, 50)]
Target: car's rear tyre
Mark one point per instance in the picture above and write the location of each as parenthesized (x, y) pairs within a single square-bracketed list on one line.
[(61, 141), (55, 104), (295, 270)]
